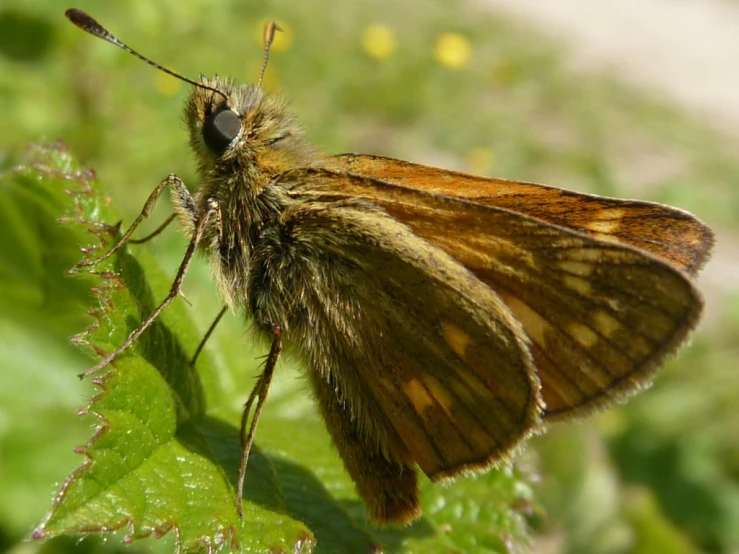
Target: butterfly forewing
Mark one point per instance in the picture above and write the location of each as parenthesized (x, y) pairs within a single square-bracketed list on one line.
[(600, 316), (664, 231)]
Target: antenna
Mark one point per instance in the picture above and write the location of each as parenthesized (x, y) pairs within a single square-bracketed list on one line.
[(87, 23), (269, 36)]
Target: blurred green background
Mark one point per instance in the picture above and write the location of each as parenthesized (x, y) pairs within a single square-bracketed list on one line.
[(444, 84)]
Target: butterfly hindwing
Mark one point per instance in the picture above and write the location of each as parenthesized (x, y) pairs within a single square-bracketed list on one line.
[(428, 361)]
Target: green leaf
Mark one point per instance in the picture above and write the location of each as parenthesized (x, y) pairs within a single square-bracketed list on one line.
[(166, 451), (157, 461)]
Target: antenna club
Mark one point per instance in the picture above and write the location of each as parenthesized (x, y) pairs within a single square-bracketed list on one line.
[(270, 30), (81, 19)]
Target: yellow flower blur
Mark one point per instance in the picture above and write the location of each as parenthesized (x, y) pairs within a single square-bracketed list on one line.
[(379, 41), (480, 160), (166, 84), (453, 50)]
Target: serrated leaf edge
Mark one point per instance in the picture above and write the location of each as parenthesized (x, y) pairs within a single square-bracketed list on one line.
[(83, 180)]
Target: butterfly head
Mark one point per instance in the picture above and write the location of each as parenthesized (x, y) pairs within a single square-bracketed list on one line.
[(236, 127), (235, 130)]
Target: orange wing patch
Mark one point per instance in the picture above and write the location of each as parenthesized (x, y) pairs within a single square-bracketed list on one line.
[(687, 244)]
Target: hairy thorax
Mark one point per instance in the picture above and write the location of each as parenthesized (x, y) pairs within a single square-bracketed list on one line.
[(244, 176)]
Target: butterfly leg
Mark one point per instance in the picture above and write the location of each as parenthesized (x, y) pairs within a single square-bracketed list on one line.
[(177, 185), (208, 333), (259, 391), (155, 232), (202, 222)]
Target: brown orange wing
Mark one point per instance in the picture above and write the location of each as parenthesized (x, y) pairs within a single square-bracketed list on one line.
[(667, 232), (600, 316)]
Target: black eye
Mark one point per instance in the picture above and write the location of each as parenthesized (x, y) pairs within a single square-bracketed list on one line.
[(220, 128)]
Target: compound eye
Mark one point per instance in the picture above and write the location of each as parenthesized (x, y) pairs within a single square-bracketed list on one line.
[(220, 129)]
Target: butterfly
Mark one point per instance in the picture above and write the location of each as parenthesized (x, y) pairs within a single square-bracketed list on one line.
[(441, 318)]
